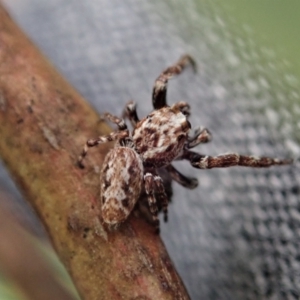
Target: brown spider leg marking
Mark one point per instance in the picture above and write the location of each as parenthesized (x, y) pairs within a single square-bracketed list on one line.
[(150, 189), (130, 113), (118, 121), (183, 107), (188, 182), (232, 159), (160, 191), (159, 93), (201, 135), (100, 140)]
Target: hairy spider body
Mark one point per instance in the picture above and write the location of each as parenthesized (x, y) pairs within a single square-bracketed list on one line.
[(121, 183), (160, 137), (155, 142)]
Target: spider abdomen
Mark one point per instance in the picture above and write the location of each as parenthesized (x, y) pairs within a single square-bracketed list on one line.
[(121, 182), (160, 137)]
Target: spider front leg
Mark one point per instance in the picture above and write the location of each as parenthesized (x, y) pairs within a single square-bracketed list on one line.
[(232, 159), (100, 140), (130, 113), (201, 136), (118, 121), (119, 135), (160, 86)]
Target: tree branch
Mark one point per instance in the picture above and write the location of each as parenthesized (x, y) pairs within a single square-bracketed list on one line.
[(43, 126), (17, 254)]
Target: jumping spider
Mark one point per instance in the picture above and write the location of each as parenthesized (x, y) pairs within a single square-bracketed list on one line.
[(155, 142)]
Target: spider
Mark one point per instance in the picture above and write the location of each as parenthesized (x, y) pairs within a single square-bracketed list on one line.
[(154, 143)]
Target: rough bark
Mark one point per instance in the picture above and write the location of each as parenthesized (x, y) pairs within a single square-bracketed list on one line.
[(44, 123)]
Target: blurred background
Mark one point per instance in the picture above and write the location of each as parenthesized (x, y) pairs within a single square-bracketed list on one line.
[(237, 235)]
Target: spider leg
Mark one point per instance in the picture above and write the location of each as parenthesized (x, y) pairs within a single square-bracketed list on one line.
[(160, 191), (118, 121), (100, 140), (183, 107), (232, 159), (201, 135), (153, 184), (187, 182), (130, 113), (160, 86)]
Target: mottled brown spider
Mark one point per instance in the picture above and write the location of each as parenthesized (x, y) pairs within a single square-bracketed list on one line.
[(155, 142)]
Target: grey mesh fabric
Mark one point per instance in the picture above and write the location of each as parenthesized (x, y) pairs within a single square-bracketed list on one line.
[(237, 235)]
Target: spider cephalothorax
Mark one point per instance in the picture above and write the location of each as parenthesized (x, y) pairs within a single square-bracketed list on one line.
[(159, 138), (156, 140)]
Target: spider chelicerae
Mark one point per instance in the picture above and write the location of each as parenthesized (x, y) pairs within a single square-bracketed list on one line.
[(154, 143)]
